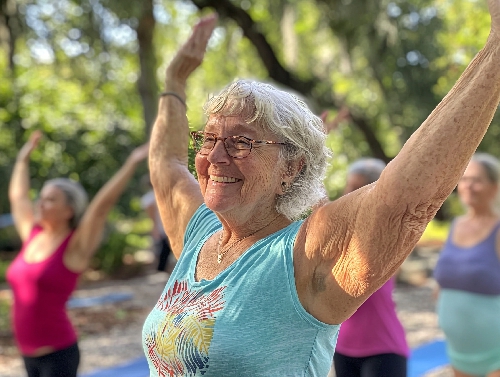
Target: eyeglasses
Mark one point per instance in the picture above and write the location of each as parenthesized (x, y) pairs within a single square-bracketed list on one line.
[(236, 146)]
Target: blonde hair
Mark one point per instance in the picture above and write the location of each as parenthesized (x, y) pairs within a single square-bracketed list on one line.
[(289, 118)]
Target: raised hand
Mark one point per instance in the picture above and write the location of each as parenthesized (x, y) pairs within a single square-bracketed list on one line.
[(140, 153), (332, 125), (30, 145), (191, 54)]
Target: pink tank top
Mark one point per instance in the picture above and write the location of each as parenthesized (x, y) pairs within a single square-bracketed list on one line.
[(41, 291), (374, 328)]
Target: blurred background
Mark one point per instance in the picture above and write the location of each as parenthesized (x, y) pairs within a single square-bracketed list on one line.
[(88, 73)]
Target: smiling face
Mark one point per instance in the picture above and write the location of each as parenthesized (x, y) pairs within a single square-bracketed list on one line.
[(52, 206), (475, 188), (240, 187)]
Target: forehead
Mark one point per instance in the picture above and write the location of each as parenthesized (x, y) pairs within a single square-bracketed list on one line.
[(51, 190), (235, 125), (475, 169)]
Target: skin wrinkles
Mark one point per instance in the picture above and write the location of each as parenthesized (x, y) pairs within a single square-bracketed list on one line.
[(259, 173), (243, 206), (386, 218)]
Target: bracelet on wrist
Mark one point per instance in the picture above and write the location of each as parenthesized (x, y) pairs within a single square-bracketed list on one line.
[(174, 94)]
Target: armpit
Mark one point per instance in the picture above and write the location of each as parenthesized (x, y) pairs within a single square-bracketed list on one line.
[(379, 245)]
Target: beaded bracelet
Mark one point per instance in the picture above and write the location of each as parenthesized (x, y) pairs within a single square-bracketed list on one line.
[(163, 94)]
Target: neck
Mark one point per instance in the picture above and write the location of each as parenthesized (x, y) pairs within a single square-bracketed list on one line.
[(481, 213), (261, 231), (56, 229)]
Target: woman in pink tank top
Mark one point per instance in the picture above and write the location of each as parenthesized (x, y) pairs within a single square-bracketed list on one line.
[(60, 234)]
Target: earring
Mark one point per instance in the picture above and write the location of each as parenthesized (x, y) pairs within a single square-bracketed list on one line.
[(284, 186)]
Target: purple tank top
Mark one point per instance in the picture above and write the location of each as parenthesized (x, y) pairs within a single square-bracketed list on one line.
[(473, 269)]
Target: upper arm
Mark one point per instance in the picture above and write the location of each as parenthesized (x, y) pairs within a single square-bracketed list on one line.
[(22, 213), (352, 246), (178, 197)]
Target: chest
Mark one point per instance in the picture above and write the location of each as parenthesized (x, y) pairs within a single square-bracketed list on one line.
[(42, 247), (213, 259), (468, 234)]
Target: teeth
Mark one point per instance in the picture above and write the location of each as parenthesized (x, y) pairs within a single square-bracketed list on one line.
[(222, 179)]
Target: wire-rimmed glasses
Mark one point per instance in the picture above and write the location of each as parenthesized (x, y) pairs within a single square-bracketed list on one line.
[(236, 146)]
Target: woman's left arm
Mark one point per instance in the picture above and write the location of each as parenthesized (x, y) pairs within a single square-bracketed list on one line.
[(88, 235), (357, 243)]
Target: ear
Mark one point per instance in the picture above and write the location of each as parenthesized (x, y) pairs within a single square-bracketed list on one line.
[(290, 173)]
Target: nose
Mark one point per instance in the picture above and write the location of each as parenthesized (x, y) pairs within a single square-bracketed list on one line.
[(218, 154)]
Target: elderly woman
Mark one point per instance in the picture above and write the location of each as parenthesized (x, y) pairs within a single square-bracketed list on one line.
[(60, 235), (372, 341), (468, 274), (255, 291)]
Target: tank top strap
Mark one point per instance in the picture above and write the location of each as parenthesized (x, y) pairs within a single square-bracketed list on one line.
[(34, 231), (64, 244)]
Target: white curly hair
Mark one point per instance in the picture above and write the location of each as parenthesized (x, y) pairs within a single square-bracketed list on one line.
[(289, 118)]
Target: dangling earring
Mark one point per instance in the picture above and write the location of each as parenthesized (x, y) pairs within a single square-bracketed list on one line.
[(284, 186)]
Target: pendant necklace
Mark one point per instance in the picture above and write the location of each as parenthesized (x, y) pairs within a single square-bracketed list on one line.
[(220, 254)]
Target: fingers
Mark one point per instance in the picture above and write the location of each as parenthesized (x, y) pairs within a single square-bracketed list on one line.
[(35, 137), (191, 54), (202, 32)]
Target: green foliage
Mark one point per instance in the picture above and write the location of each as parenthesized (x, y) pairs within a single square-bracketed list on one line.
[(5, 324), (77, 63)]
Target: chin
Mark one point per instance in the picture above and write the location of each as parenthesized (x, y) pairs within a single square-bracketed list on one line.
[(219, 205)]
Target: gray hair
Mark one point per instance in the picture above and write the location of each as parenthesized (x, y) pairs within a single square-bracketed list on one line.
[(75, 195), (490, 164), (368, 167), (289, 118)]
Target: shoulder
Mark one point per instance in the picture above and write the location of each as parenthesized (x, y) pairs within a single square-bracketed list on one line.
[(201, 223)]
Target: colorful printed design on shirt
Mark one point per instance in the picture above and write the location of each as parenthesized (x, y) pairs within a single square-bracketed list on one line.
[(178, 344)]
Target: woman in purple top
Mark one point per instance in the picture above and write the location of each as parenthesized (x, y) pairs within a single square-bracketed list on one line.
[(372, 341), (468, 274)]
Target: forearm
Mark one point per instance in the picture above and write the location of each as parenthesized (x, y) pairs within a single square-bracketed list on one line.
[(170, 134), (108, 195), (433, 159), (19, 185)]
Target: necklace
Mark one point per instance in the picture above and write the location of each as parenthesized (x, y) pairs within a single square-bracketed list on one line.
[(220, 254)]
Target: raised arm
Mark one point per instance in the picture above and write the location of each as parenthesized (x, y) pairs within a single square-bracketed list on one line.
[(20, 203), (355, 244), (88, 235), (177, 192)]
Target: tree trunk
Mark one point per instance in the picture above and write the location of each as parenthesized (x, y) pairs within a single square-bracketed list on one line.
[(312, 88), (147, 85)]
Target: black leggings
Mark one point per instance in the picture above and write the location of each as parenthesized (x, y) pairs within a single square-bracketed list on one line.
[(383, 365), (62, 363)]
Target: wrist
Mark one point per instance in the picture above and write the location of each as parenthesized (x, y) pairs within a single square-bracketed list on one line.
[(172, 85)]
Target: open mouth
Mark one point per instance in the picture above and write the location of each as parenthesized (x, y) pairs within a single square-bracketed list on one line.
[(219, 179)]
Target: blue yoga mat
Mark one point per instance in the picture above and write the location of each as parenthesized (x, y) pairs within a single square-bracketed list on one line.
[(85, 302), (135, 368), (422, 360), (427, 357)]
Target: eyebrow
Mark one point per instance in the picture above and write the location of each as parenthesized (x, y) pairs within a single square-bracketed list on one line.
[(245, 127)]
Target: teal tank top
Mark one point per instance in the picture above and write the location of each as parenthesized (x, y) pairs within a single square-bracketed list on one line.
[(246, 322)]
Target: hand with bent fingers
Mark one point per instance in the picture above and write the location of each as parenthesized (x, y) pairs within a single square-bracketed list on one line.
[(343, 114), (191, 54), (29, 146), (140, 153)]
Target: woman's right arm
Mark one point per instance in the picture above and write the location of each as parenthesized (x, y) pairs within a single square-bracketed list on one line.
[(177, 191), (21, 206)]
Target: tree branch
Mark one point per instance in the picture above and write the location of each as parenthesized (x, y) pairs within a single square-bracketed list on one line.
[(311, 88)]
